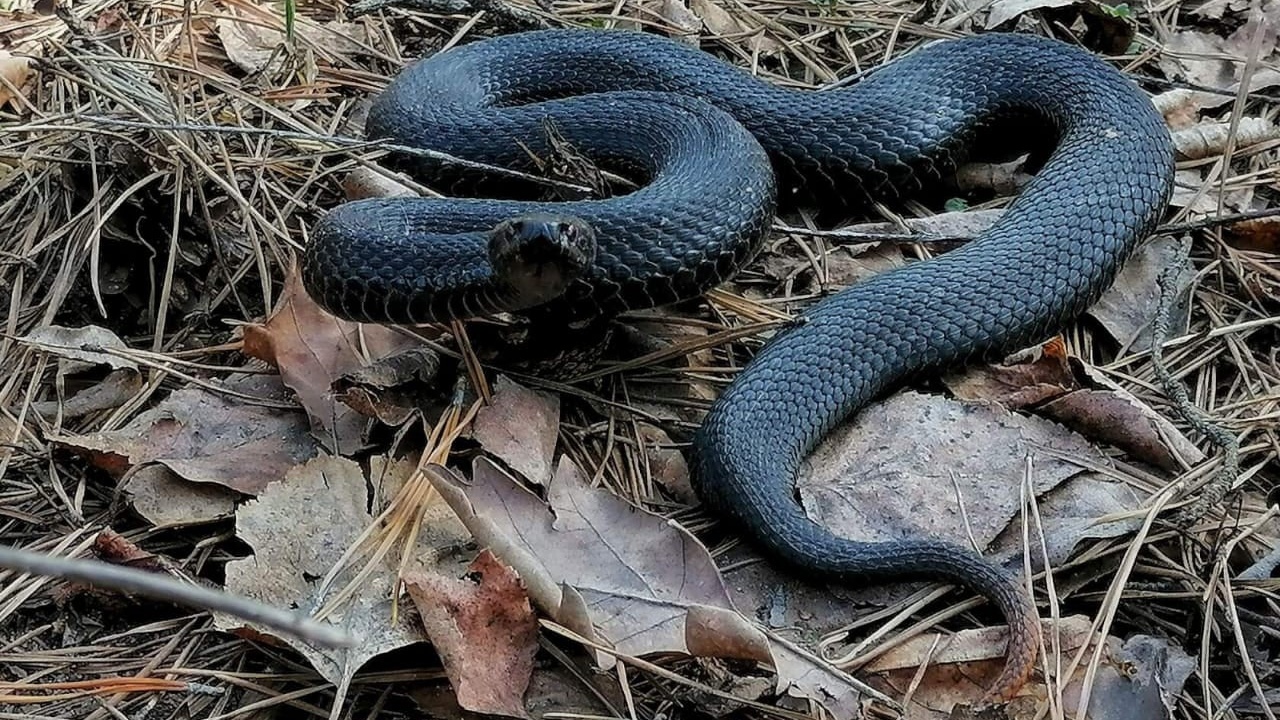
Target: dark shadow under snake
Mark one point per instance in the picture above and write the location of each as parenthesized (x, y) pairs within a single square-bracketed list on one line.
[(719, 149)]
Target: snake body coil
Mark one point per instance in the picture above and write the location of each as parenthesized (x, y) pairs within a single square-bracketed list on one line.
[(718, 148)]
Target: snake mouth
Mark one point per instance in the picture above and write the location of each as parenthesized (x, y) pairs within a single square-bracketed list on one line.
[(538, 256)]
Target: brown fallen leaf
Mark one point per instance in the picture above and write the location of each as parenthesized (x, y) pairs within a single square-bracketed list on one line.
[(1026, 379), (931, 466), (114, 390), (395, 387), (167, 501), (1128, 307), (553, 688), (520, 427), (842, 265), (1260, 235), (485, 631), (1137, 680), (16, 71), (81, 347), (623, 577), (1074, 512), (1113, 415), (299, 528), (206, 437), (253, 33), (312, 349), (666, 465), (1210, 60)]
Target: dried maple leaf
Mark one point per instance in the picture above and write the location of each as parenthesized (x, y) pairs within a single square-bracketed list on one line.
[(312, 349), (298, 529), (204, 436), (623, 577), (485, 631)]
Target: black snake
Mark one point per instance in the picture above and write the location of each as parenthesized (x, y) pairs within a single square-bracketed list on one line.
[(717, 149)]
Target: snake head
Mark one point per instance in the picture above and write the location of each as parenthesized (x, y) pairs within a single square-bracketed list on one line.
[(537, 256)]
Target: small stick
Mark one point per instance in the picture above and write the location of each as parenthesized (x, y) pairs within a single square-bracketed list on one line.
[(163, 587)]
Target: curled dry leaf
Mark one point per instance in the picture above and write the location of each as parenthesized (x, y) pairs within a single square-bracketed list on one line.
[(623, 577), (1205, 140), (292, 548), (1022, 381), (485, 631), (1045, 381), (204, 436), (312, 349), (520, 427), (1138, 678), (1259, 235), (1111, 414), (117, 388), (15, 70)]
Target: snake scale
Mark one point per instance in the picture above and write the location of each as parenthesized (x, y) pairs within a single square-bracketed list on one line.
[(716, 151)]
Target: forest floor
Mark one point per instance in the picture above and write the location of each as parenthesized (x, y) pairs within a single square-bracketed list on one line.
[(171, 401)]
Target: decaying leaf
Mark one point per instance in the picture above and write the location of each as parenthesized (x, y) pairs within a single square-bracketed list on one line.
[(254, 35), (1138, 678), (485, 631), (82, 347), (1118, 418), (1260, 235), (1003, 11), (1128, 307), (1089, 505), (554, 688), (931, 466), (168, 501), (394, 387), (721, 21), (114, 390), (1025, 380), (208, 437), (292, 549), (15, 70), (312, 349), (1212, 61), (520, 427), (621, 576)]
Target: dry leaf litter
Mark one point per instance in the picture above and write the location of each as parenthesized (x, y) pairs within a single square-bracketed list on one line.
[(173, 402)]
